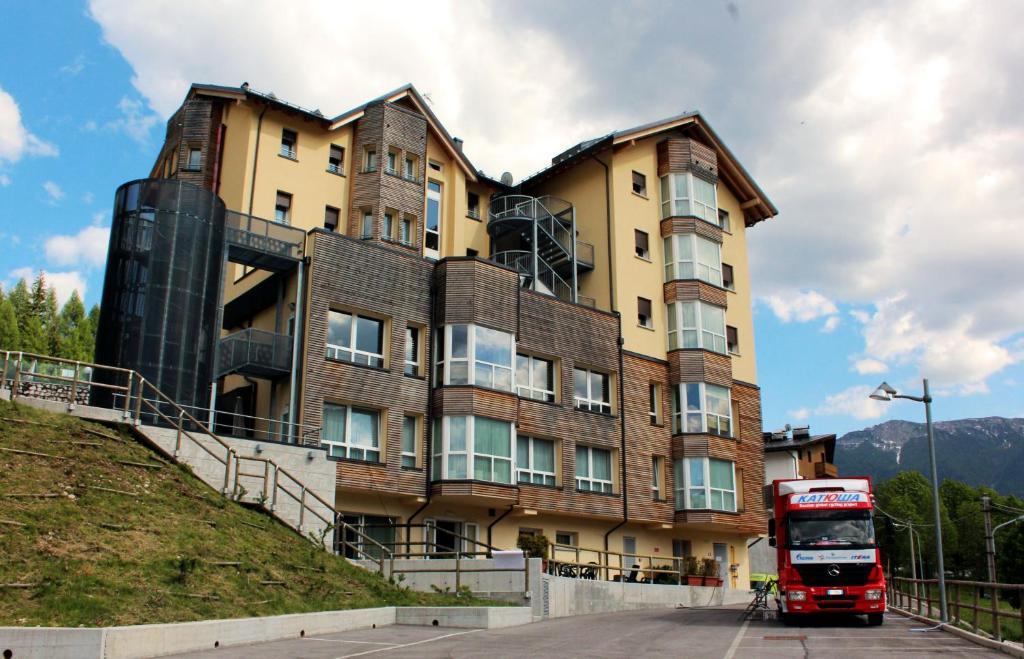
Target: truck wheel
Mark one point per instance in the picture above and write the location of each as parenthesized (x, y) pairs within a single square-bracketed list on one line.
[(875, 619)]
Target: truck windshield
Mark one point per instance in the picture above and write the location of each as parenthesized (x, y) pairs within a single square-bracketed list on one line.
[(832, 528)]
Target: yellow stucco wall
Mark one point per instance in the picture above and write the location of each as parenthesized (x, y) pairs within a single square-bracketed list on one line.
[(739, 313)]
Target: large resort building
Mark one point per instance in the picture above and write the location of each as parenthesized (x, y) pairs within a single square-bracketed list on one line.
[(572, 354)]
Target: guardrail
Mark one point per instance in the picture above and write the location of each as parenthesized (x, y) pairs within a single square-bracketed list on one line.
[(920, 596), (572, 561), (138, 401), (255, 349)]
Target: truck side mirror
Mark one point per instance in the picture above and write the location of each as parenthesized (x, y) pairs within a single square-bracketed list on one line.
[(771, 532)]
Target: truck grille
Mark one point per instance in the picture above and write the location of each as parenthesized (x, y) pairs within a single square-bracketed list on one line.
[(850, 574)]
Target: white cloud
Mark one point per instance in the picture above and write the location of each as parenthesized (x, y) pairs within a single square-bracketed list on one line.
[(860, 316), (800, 306), (74, 67), (62, 282), (53, 191), (135, 121), (854, 402), (87, 247), (869, 367), (88, 198), (800, 414), (507, 91), (831, 323), (15, 140), (5, 180)]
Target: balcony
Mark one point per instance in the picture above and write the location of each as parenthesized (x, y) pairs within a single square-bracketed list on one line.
[(262, 244), (825, 470), (256, 353)]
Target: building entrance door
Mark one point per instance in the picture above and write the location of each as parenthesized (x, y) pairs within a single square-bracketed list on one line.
[(722, 556)]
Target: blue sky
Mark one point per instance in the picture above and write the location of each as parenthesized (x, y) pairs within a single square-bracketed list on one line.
[(889, 136)]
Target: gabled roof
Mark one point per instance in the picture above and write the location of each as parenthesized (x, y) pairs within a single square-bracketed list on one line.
[(753, 201), (407, 91)]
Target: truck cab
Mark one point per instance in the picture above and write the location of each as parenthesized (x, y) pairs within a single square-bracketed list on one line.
[(828, 560)]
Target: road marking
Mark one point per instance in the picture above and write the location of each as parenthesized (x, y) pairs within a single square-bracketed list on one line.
[(731, 652), (340, 640), (406, 645)]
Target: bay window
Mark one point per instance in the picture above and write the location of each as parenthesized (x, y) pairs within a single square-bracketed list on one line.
[(535, 460), (593, 469), (354, 338), (472, 447), (701, 407), (705, 483), (684, 194), (472, 354), (696, 325), (535, 378), (351, 432), (689, 256), (591, 391)]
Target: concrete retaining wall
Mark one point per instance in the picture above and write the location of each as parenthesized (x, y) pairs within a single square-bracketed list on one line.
[(562, 596), (485, 584), (470, 617), (51, 642)]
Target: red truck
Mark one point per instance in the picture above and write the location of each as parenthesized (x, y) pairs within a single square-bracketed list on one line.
[(825, 541)]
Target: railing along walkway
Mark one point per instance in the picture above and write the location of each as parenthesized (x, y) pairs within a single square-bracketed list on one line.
[(920, 596)]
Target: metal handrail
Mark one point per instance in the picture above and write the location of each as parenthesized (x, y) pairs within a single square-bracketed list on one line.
[(915, 595), (604, 563)]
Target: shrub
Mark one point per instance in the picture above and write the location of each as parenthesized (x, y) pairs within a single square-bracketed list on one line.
[(534, 546), (692, 567), (709, 567)]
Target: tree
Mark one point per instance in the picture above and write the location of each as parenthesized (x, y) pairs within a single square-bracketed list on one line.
[(51, 324), (9, 339), (75, 331), (30, 331)]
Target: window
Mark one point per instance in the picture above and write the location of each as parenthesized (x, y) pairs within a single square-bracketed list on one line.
[(473, 205), (639, 184), (409, 435), (705, 483), (688, 195), (593, 469), (370, 160), (657, 476), (366, 230), (174, 162), (476, 443), (356, 339), (643, 312), (727, 278), (701, 407), (405, 229), (643, 249), (689, 256), (195, 159), (432, 230), (410, 171), (591, 391), (387, 229), (351, 432), (475, 355), (535, 378), (331, 218), (723, 220), (336, 160), (283, 208), (392, 162), (732, 340), (696, 325), (654, 403), (355, 543), (535, 460), (412, 351), (471, 253), (436, 166), (568, 538), (289, 143)]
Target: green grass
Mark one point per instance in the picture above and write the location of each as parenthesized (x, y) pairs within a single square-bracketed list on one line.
[(1010, 624), (94, 557)]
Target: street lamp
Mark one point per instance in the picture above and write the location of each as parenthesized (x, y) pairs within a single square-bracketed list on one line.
[(886, 392)]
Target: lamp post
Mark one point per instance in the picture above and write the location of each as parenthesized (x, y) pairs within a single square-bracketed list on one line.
[(887, 393)]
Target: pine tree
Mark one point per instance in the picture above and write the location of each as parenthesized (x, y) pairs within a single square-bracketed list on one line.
[(51, 325), (93, 324), (30, 331), (8, 325), (74, 330)]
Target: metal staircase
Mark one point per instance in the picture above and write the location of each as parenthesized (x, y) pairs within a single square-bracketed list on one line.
[(536, 237)]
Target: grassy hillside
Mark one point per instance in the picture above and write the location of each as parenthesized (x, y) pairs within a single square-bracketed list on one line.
[(88, 538)]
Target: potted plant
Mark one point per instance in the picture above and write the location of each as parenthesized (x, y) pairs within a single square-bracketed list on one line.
[(693, 571), (709, 568), (535, 546), (663, 577)]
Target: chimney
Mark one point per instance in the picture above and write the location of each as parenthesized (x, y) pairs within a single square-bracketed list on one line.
[(458, 143)]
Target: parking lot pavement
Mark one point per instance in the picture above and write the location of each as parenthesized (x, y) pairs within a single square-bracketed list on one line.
[(714, 633)]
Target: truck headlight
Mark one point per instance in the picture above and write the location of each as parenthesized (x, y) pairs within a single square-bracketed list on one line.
[(797, 595), (873, 594)]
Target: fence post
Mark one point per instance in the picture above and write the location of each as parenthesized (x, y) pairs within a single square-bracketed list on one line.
[(302, 508), (273, 492), (977, 605), (74, 389), (956, 602), (995, 614), (128, 394), (266, 482), (177, 439), (138, 400), (458, 572), (227, 472), (3, 373), (16, 380)]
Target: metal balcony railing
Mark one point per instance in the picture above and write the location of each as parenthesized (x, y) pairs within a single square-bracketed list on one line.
[(261, 243), (255, 352), (548, 281)]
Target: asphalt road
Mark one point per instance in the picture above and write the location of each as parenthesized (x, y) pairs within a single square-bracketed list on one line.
[(714, 633)]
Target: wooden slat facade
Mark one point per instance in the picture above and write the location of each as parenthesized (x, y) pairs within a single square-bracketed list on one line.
[(694, 365), (692, 289), (691, 224), (685, 154)]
